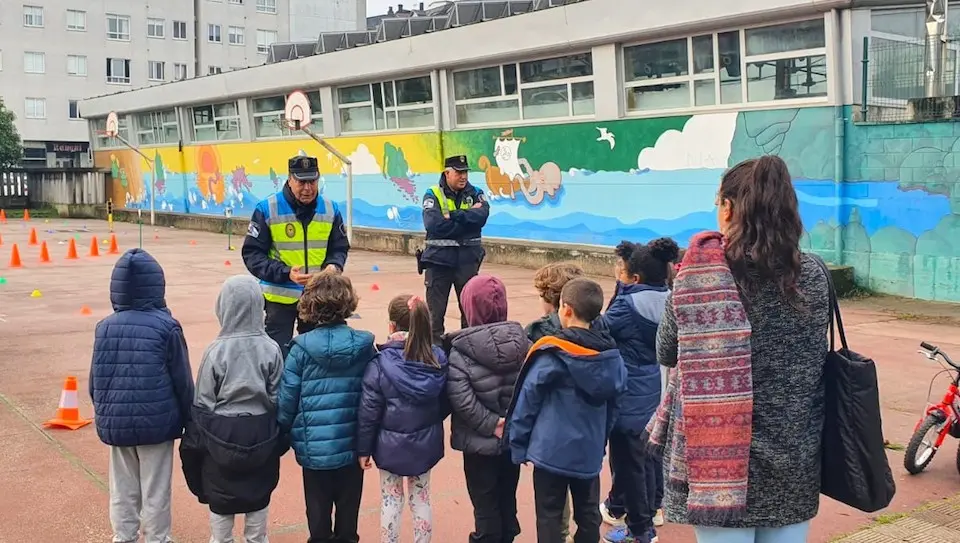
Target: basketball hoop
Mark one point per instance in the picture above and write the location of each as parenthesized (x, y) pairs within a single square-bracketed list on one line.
[(112, 127), (297, 113)]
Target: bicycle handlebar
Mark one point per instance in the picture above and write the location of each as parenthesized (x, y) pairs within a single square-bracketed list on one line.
[(928, 346), (934, 350)]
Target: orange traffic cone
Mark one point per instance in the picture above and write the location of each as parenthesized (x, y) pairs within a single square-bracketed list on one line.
[(68, 413), (44, 254), (33, 236), (3, 217), (114, 247), (1, 240), (85, 310), (72, 250), (15, 257), (26, 214), (226, 262), (94, 247)]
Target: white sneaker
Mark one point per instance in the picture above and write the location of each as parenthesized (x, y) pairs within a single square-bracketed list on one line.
[(658, 518), (610, 519)]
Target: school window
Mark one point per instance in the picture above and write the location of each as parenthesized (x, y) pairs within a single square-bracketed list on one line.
[(266, 6), (216, 122), (179, 30), (235, 35), (238, 2), (35, 108), (268, 116), (213, 70), (118, 71), (551, 88), (155, 70), (123, 130), (213, 33), (118, 27), (77, 65), (34, 62), (157, 127), (265, 38), (179, 71), (390, 105), (76, 20), (766, 64), (33, 16), (73, 109), (155, 28)]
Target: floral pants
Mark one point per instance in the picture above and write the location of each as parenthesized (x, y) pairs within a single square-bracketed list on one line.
[(391, 507)]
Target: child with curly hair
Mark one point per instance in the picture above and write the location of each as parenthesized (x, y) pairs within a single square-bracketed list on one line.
[(318, 403)]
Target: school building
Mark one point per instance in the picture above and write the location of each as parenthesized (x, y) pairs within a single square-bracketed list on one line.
[(591, 122)]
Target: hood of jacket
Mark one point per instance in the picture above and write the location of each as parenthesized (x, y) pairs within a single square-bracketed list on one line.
[(499, 347), (592, 358), (547, 325), (137, 283), (258, 444), (334, 345), (647, 301), (240, 307), (415, 381)]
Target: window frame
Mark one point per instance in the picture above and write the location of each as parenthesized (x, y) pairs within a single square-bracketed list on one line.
[(152, 24), (214, 118), (211, 34), (43, 62), (263, 49), (34, 16), (263, 6), (81, 59), (128, 65), (186, 31), (83, 17), (103, 142), (119, 34), (176, 66), (35, 100), (151, 76), (157, 127), (75, 104), (395, 109), (214, 69), (518, 97), (285, 133), (231, 34)]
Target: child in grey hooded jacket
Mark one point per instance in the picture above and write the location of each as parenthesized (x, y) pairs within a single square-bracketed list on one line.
[(231, 451)]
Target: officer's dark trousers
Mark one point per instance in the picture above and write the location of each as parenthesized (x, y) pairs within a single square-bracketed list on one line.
[(279, 323), (438, 281)]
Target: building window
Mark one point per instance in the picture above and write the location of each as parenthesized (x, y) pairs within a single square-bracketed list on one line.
[(34, 62), (77, 65), (781, 62), (158, 127), (118, 27), (33, 16), (76, 20), (268, 116), (155, 70), (549, 88), (213, 33), (35, 108), (179, 71), (238, 2), (265, 38), (179, 30), (266, 6), (73, 109), (155, 28), (390, 105), (123, 130), (217, 122), (118, 71), (235, 35), (214, 70)]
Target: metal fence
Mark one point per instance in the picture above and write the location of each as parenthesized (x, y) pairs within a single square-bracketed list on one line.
[(23, 188), (899, 88)]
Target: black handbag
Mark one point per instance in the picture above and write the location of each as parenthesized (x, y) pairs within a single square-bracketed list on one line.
[(854, 468)]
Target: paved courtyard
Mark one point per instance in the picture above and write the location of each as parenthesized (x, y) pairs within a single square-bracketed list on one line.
[(54, 483)]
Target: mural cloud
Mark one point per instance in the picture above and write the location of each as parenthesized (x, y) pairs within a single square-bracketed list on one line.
[(704, 143), (364, 163)]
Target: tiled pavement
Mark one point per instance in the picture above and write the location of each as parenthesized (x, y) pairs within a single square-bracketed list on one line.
[(938, 522)]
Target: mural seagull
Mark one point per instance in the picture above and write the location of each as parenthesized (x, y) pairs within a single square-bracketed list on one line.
[(607, 136)]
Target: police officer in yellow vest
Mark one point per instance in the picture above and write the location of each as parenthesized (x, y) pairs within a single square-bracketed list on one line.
[(292, 235), (454, 212)]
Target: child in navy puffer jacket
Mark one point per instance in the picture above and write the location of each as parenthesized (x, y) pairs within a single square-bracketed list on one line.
[(401, 417)]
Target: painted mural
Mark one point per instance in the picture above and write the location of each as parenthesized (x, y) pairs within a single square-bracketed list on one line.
[(897, 216)]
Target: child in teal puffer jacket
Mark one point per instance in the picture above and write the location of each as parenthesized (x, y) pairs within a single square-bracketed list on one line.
[(318, 402)]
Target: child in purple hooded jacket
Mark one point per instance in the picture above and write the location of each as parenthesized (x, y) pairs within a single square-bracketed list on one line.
[(401, 415)]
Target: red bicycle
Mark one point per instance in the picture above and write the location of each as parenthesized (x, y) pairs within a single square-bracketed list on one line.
[(939, 420)]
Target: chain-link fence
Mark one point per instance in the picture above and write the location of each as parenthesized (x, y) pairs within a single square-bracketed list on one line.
[(897, 87)]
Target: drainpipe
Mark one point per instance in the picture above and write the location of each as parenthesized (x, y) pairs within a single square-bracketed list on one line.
[(839, 131), (936, 45)]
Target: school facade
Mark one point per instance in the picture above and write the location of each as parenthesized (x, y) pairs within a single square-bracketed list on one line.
[(590, 123)]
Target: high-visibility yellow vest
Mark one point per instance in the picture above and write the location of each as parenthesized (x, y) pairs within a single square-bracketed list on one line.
[(295, 247), (447, 204)]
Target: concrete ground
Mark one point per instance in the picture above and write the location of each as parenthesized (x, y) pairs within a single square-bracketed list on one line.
[(54, 482)]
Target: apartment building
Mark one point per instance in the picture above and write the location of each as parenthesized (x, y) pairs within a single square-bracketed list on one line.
[(53, 53)]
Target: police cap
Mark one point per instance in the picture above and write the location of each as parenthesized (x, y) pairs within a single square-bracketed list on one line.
[(303, 168), (458, 162)]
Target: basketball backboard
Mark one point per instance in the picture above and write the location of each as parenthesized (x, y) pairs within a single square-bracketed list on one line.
[(297, 109), (113, 125)]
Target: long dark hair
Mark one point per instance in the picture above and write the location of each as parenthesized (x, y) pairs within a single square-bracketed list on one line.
[(763, 238), (410, 314)]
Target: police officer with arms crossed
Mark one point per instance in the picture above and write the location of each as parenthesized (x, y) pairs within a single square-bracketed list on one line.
[(454, 212), (293, 234)]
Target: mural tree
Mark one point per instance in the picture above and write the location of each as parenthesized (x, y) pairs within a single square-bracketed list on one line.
[(11, 148)]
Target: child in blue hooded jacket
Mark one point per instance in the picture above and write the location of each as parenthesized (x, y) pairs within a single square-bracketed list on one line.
[(318, 402), (402, 409), (643, 272), (564, 408)]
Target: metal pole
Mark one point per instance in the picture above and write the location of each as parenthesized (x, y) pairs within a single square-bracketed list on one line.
[(935, 57), (140, 225), (350, 202), (865, 75)]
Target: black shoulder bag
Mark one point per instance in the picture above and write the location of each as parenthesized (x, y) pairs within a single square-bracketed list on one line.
[(854, 468)]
